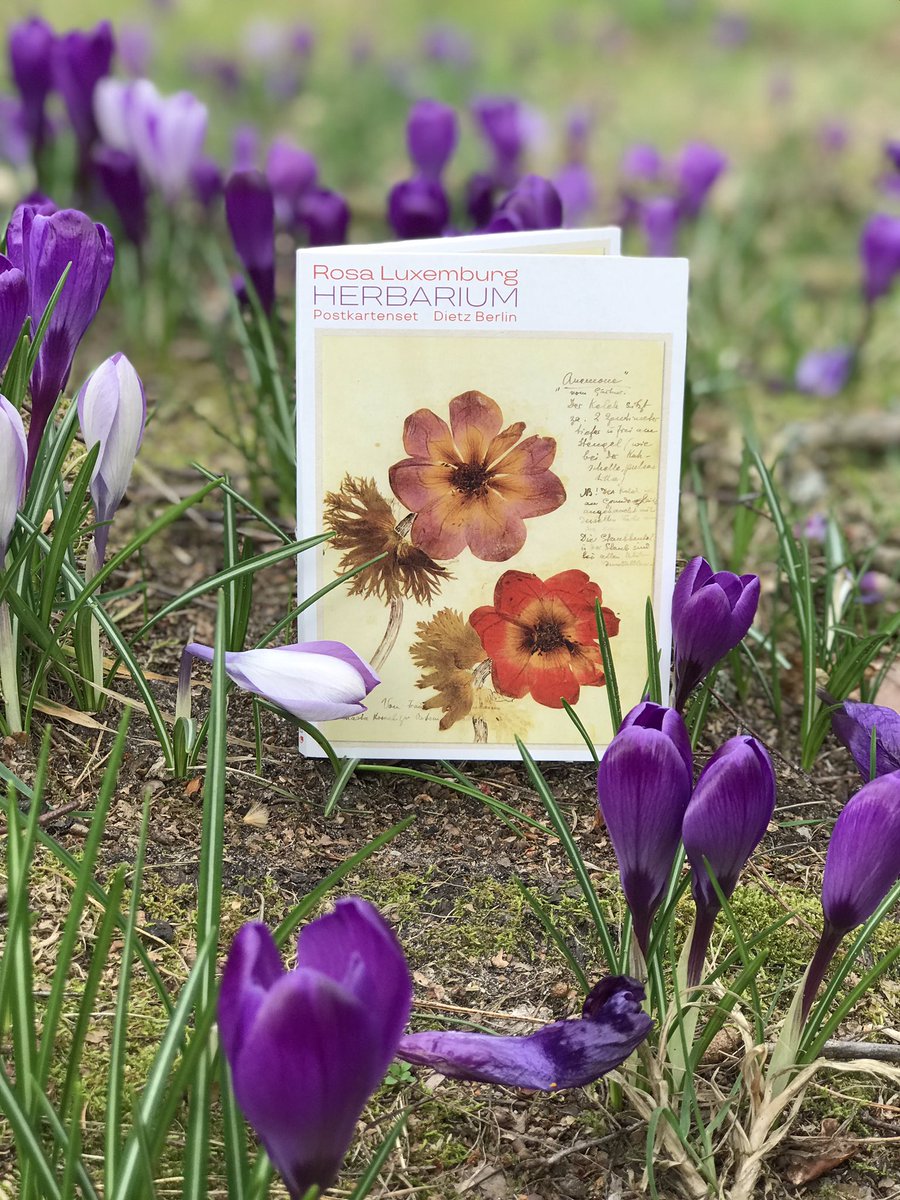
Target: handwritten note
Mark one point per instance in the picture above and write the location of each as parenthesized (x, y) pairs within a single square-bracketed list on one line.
[(616, 430)]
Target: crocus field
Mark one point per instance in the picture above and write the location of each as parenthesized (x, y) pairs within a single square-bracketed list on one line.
[(229, 971)]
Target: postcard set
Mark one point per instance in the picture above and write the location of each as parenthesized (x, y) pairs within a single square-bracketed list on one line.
[(489, 428)]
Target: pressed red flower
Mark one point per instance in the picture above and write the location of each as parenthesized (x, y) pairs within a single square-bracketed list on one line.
[(541, 635), (469, 483)]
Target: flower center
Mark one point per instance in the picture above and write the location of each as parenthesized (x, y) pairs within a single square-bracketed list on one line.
[(546, 636), (471, 479)]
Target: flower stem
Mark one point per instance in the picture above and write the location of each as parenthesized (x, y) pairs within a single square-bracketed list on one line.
[(828, 944), (9, 678), (91, 567), (702, 932), (391, 634)]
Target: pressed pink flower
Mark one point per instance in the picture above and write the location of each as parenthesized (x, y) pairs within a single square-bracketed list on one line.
[(473, 483)]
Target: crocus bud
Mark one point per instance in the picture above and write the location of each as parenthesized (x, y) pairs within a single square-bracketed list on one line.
[(480, 198), (575, 185), (418, 208), (534, 203), (80, 60), (879, 250), (308, 1047), (824, 372), (564, 1054), (30, 46), (660, 217), (643, 786), (862, 864), (251, 218), (13, 307), (245, 148), (642, 163), (696, 169), (121, 181), (290, 172), (13, 461), (724, 822), (432, 131), (853, 724), (42, 247), (112, 410), (314, 681), (501, 123), (325, 216), (711, 613)]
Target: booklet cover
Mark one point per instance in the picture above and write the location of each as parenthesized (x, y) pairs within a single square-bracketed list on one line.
[(501, 432)]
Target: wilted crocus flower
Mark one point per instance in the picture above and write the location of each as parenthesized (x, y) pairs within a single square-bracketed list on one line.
[(853, 724), (862, 864), (824, 372), (290, 172), (314, 681), (80, 60), (418, 208), (251, 218), (534, 203), (432, 131), (695, 170), (308, 1047), (501, 121), (643, 786), (121, 181), (564, 1054), (660, 217), (30, 46), (13, 462), (711, 613), (725, 821), (879, 249), (42, 247), (13, 307), (325, 215), (112, 410)]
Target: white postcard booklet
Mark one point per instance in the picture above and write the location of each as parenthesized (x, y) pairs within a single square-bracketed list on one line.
[(493, 442)]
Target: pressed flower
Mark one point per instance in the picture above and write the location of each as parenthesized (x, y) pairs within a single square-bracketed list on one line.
[(418, 208), (853, 724), (447, 649), (432, 131), (314, 681), (862, 865), (564, 1054), (112, 410), (365, 525), (471, 483), (711, 613), (541, 636), (13, 307), (308, 1047), (643, 786), (13, 461), (250, 211), (725, 821), (42, 247)]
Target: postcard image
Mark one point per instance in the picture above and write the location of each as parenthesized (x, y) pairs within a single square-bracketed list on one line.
[(493, 446)]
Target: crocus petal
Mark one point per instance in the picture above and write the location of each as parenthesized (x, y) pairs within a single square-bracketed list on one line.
[(253, 967), (561, 1055), (432, 131), (863, 860), (853, 725), (13, 307), (250, 210), (418, 208), (13, 460), (112, 410), (648, 715)]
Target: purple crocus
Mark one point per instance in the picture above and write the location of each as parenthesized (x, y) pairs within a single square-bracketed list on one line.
[(42, 247), (642, 163), (659, 218), (324, 215), (643, 786), (853, 724), (13, 307), (308, 1047), (564, 1054), (479, 198), (112, 412), (432, 131), (30, 45), (862, 864), (207, 183), (314, 681), (534, 203), (80, 60), (13, 463), (13, 132), (711, 613), (575, 184), (165, 133), (725, 821), (879, 249), (418, 208), (245, 148), (290, 171), (251, 218), (696, 169), (824, 372), (121, 181), (501, 122)]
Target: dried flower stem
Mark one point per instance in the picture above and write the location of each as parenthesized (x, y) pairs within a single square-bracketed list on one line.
[(387, 643)]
